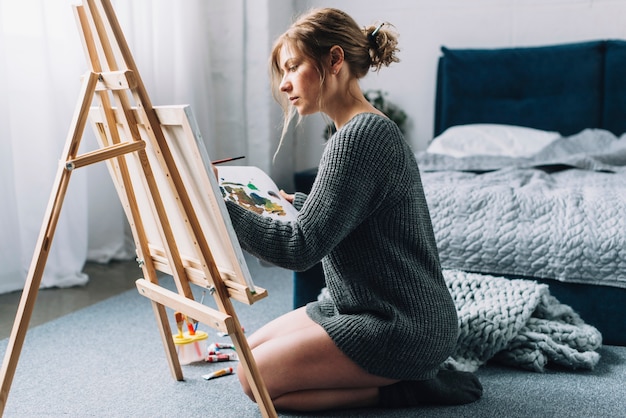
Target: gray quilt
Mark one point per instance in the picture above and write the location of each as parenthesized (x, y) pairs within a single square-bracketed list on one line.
[(559, 215)]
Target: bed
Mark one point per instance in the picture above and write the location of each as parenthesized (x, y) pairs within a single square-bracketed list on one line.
[(526, 175)]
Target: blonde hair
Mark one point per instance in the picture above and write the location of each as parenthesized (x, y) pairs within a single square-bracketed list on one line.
[(314, 33)]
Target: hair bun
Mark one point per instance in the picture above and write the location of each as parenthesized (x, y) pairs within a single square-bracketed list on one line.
[(383, 45)]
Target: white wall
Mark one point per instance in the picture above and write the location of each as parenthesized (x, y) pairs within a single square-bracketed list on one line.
[(426, 25)]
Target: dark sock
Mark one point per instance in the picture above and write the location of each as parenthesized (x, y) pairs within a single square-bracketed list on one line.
[(449, 387)]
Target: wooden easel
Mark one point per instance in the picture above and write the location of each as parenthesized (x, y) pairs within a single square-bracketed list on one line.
[(172, 201)]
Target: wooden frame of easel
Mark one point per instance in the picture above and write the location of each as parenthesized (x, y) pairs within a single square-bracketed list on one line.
[(158, 164)]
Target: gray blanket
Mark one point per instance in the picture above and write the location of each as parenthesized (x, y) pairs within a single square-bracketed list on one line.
[(518, 323), (559, 215)]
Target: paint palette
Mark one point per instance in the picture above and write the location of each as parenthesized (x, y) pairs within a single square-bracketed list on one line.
[(251, 188)]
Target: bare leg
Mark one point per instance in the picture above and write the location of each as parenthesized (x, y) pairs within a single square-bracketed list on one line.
[(329, 399), (304, 370), (283, 325)]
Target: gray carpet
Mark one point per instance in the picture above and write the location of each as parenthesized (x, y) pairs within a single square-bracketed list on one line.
[(107, 360)]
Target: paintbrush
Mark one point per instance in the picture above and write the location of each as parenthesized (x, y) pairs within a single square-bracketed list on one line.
[(180, 321), (191, 325), (226, 160), (195, 325)]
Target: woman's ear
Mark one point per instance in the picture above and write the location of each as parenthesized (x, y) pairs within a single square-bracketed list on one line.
[(336, 59)]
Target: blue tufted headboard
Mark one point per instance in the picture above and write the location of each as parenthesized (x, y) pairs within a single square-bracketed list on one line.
[(564, 88)]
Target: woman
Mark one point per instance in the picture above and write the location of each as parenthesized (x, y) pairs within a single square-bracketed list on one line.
[(388, 322)]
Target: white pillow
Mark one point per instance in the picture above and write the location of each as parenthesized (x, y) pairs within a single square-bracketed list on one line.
[(491, 139)]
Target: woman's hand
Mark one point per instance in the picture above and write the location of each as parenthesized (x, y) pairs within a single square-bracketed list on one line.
[(287, 196)]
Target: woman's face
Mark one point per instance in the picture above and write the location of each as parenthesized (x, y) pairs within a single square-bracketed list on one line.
[(300, 81)]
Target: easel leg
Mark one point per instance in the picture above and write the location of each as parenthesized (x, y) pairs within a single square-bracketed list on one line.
[(42, 248), (168, 343), (31, 288)]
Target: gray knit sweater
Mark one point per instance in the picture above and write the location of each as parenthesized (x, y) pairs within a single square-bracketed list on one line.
[(367, 219)]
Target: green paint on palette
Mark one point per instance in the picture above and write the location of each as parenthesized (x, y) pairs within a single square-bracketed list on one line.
[(252, 186)]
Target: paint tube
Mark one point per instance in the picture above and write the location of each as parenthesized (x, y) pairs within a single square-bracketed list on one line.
[(214, 358), (219, 373), (216, 347)]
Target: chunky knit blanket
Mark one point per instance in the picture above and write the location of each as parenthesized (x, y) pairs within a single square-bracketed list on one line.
[(518, 323)]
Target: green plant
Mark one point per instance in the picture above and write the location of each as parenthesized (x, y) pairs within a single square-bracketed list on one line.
[(379, 100)]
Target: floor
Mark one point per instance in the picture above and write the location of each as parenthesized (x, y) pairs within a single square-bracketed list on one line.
[(105, 280)]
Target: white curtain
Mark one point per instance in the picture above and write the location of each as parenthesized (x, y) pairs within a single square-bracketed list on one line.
[(41, 62)]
